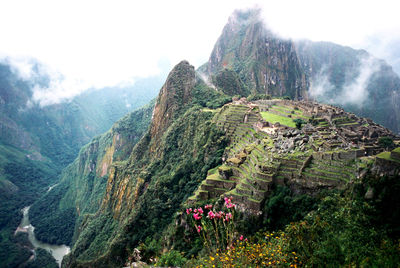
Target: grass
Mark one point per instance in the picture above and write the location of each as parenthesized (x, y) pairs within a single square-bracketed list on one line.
[(386, 155), (216, 177), (289, 111), (223, 168), (234, 160), (210, 110), (273, 118), (212, 171), (397, 150)]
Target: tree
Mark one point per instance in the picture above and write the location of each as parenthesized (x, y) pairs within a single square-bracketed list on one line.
[(386, 142), (299, 122)]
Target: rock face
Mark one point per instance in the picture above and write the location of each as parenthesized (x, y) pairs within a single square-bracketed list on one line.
[(265, 63), (175, 93)]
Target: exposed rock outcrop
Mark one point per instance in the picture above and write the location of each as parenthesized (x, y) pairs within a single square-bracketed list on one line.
[(175, 93), (265, 63)]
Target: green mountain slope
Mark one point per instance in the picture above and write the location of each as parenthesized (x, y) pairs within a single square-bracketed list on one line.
[(58, 131), (38, 142), (111, 192), (83, 182)]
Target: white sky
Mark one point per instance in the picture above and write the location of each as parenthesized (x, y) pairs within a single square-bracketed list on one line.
[(105, 43)]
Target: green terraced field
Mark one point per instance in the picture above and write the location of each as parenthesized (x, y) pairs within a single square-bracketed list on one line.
[(386, 155), (273, 118)]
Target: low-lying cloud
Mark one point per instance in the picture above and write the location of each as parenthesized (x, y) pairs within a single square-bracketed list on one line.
[(353, 92)]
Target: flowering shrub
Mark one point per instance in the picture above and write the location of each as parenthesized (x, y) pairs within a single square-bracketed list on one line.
[(271, 250), (215, 228)]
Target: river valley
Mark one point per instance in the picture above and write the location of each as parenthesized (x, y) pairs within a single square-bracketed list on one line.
[(57, 251)]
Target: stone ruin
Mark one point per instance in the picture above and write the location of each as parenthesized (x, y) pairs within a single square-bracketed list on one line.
[(320, 155)]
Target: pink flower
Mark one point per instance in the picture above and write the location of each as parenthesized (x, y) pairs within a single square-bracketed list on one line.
[(195, 210), (208, 207), (200, 210), (228, 203), (211, 215), (196, 216), (199, 229), (217, 215), (241, 238), (187, 211)]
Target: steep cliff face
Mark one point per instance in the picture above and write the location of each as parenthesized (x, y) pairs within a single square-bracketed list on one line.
[(141, 194), (173, 96), (265, 63), (83, 183)]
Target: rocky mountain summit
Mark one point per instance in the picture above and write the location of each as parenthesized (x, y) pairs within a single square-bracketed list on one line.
[(263, 62)]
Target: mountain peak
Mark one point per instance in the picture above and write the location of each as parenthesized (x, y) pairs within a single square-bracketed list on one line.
[(175, 93), (264, 62)]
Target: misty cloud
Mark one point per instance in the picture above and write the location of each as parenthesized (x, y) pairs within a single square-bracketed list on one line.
[(206, 79), (384, 45), (354, 92), (320, 86)]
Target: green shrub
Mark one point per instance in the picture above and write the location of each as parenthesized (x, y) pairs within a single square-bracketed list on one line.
[(171, 258), (299, 122), (254, 97), (386, 142)]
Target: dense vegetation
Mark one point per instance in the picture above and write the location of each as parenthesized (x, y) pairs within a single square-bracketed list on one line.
[(339, 228), (54, 214), (43, 259), (230, 84), (170, 181), (37, 142), (22, 181), (57, 227)]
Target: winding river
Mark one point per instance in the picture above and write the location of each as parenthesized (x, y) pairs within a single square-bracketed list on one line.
[(58, 251)]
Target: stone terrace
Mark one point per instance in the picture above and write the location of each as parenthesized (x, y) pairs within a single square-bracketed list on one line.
[(322, 155)]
